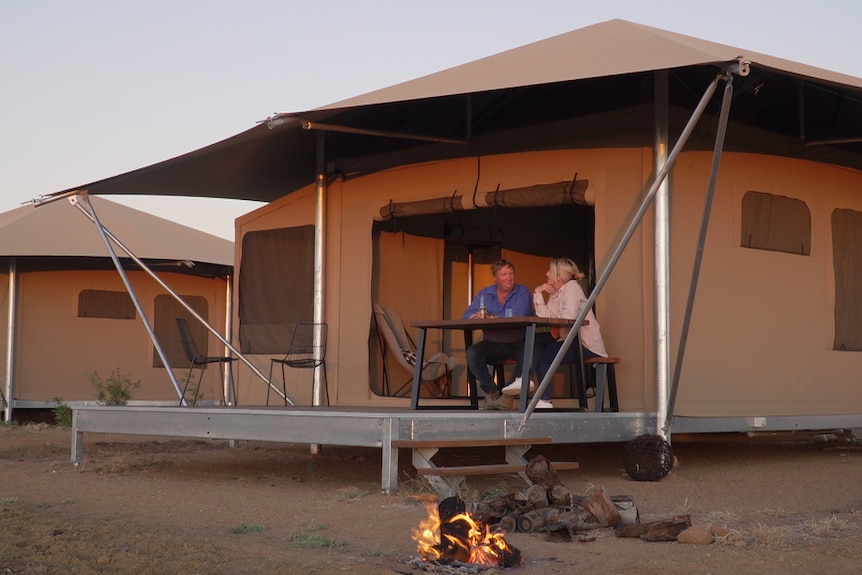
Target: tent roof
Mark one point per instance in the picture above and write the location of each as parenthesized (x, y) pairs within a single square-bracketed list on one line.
[(606, 49), (588, 87), (57, 229)]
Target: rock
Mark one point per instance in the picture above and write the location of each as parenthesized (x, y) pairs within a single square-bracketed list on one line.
[(695, 535)]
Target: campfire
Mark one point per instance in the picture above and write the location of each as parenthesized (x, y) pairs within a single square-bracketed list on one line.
[(450, 534)]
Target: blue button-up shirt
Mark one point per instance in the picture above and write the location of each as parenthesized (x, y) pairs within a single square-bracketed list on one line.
[(519, 300)]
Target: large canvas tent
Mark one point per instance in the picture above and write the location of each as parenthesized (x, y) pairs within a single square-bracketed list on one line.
[(67, 313), (592, 113)]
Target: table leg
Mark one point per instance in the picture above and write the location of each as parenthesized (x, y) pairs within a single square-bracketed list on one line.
[(529, 342), (417, 370), (471, 379)]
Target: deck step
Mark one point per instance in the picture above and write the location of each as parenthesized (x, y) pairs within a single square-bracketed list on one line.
[(493, 442), (494, 469)]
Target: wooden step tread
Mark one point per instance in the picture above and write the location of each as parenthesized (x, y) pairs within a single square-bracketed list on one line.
[(489, 469), (493, 442)]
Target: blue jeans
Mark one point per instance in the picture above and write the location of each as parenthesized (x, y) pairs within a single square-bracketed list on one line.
[(480, 354), (544, 352)]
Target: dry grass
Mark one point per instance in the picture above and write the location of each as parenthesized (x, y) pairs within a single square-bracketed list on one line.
[(412, 486), (771, 535), (350, 493), (723, 518), (772, 513), (827, 526)]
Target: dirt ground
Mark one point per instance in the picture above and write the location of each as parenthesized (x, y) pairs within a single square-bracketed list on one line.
[(166, 506)]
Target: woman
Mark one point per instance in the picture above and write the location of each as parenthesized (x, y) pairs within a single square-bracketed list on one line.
[(566, 299)]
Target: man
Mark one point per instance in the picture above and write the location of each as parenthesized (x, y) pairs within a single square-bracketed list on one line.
[(500, 344)]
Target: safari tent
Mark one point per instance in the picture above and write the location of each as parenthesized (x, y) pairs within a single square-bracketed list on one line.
[(67, 313), (710, 193)]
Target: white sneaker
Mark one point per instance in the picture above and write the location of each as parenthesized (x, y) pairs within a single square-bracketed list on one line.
[(514, 388), (542, 404)]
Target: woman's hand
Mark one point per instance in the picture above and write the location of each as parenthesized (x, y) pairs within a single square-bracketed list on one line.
[(545, 288)]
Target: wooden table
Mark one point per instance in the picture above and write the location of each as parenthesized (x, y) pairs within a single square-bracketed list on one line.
[(527, 323)]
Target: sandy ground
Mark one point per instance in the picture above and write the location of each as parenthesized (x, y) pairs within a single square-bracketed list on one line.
[(153, 506)]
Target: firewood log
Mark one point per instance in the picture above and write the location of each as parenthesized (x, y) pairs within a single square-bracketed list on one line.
[(507, 524), (601, 507), (535, 520), (541, 472), (537, 496), (559, 494), (666, 530)]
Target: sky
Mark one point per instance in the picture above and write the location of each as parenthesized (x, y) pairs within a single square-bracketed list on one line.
[(94, 88)]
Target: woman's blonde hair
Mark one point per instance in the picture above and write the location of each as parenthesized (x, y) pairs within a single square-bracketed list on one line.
[(564, 269)]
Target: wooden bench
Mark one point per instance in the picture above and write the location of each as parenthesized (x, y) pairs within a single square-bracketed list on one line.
[(425, 449), (606, 382)]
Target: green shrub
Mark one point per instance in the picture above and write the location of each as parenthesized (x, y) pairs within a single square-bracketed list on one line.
[(62, 412), (116, 389), (247, 528)]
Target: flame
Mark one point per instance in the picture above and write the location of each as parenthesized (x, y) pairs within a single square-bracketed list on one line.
[(427, 535), (467, 541)]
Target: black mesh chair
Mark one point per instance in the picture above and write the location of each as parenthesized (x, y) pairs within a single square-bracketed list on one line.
[(307, 351), (200, 361)]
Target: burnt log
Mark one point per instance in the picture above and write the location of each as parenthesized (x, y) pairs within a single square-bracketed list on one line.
[(453, 531)]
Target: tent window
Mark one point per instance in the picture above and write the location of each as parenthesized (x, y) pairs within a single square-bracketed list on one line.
[(276, 287), (165, 314), (847, 263), (105, 304), (775, 223)]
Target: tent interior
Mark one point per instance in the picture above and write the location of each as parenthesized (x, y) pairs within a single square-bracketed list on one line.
[(468, 242)]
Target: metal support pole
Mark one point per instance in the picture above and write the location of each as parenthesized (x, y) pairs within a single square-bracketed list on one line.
[(229, 392), (318, 390), (662, 250), (618, 250), (11, 333), (701, 241), (318, 393)]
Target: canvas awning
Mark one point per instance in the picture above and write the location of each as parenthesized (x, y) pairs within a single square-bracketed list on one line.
[(590, 87)]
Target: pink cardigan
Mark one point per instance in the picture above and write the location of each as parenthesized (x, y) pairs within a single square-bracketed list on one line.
[(567, 303)]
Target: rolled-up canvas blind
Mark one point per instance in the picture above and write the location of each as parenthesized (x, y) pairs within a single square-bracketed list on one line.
[(539, 195)]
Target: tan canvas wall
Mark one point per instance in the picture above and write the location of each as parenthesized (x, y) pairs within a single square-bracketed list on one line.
[(762, 332), (57, 350)]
